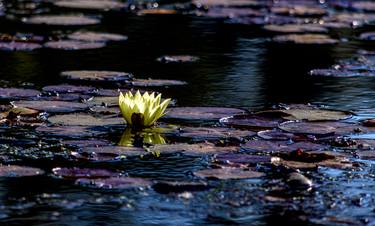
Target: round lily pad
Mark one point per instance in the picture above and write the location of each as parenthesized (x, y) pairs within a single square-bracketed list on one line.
[(200, 149), (244, 159), (177, 59), (311, 128), (89, 36), (248, 121), (104, 101), (156, 82), (296, 28), (103, 110), (66, 88), (201, 113), (82, 119), (18, 93), (62, 20), (19, 171), (85, 143), (110, 76), (275, 135), (115, 183), (369, 122), (73, 45), (68, 131), (76, 172), (106, 153), (52, 106), (305, 39), (268, 146), (73, 97), (311, 114), (19, 46), (227, 173), (157, 11), (299, 10), (213, 133), (102, 5)]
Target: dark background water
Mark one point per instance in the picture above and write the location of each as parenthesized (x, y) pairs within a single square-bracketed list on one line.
[(238, 67)]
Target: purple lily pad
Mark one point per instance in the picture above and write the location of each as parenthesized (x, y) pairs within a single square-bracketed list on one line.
[(68, 131), (225, 3), (73, 97), (76, 172), (52, 106), (18, 93), (310, 128), (62, 20), (177, 59), (19, 171), (157, 11), (85, 143), (299, 10), (296, 28), (213, 133), (88, 36), (316, 39), (102, 5), (369, 36), (275, 135), (108, 76), (156, 82), (201, 113), (309, 113), (363, 6), (248, 121), (268, 146), (66, 88), (230, 12), (341, 73), (19, 46), (73, 45), (115, 183), (227, 173), (199, 149), (82, 119), (243, 159), (106, 153)]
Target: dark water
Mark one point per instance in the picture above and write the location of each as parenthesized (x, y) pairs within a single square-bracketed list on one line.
[(238, 67)]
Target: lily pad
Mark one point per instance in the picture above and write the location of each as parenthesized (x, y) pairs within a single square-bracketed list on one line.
[(73, 45), (275, 135), (157, 11), (19, 46), (363, 5), (19, 171), (341, 73), (62, 20), (201, 113), (296, 28), (200, 149), (20, 111), (68, 131), (52, 106), (311, 128), (18, 93), (230, 13), (311, 114), (213, 133), (89, 36), (104, 101), (299, 10), (225, 3), (337, 162), (368, 36), (156, 82), (106, 153), (102, 5), (75, 172), (177, 59), (82, 119), (249, 121), (115, 183), (243, 159), (108, 76), (66, 88), (305, 39), (267, 146), (85, 143), (369, 122), (227, 173)]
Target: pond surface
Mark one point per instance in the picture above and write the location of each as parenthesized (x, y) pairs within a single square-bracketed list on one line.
[(237, 66)]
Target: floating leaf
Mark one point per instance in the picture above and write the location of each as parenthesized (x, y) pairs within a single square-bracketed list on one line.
[(75, 172), (81, 119), (156, 82), (52, 106), (227, 173), (115, 183), (305, 39), (102, 5), (73, 45), (18, 93), (62, 20), (108, 76), (201, 113), (19, 171)]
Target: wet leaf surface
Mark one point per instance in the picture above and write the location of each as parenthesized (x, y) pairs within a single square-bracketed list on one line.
[(200, 149), (61, 20), (52, 106), (296, 28), (305, 39), (18, 93), (111, 76), (102, 5), (19, 171), (201, 113), (251, 122), (69, 131), (228, 173), (177, 59), (83, 119), (267, 146), (209, 133), (73, 45), (106, 153), (87, 36)]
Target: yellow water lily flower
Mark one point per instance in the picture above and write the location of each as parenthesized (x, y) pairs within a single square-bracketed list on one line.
[(142, 110)]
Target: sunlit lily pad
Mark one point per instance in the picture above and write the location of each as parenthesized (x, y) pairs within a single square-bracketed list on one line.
[(227, 173), (177, 59), (102, 5), (300, 10), (68, 131), (62, 20), (275, 135), (108, 76), (296, 28), (19, 171), (311, 114), (82, 119), (311, 128), (75, 172), (66, 88), (355, 19), (106, 153), (249, 121), (18, 93), (200, 149), (73, 45), (52, 106), (201, 113), (305, 39), (157, 11), (104, 101), (213, 133), (19, 46), (89, 36), (115, 183), (156, 82)]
